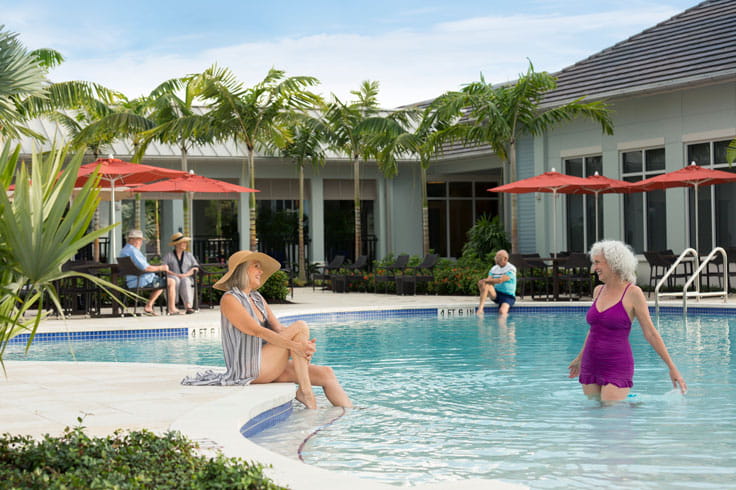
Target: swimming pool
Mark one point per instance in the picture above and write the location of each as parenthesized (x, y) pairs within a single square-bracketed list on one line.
[(447, 400)]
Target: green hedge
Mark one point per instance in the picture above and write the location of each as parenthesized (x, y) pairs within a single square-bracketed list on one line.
[(276, 288), (132, 460), (451, 277)]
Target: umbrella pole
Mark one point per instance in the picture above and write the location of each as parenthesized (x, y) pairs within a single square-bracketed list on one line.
[(111, 253), (596, 216), (697, 237), (554, 223)]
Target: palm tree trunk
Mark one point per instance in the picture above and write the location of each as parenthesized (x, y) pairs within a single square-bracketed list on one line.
[(302, 269), (514, 200), (252, 207), (187, 196), (356, 194), (425, 211)]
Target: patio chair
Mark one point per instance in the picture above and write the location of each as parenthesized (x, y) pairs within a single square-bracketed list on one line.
[(351, 273), (388, 273), (576, 277), (524, 275), (126, 267), (207, 275), (422, 273), (78, 294), (327, 270), (540, 273)]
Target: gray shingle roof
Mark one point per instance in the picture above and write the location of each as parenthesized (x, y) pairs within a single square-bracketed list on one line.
[(694, 47)]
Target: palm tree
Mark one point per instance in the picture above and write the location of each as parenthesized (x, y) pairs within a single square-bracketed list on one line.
[(21, 75), (403, 133), (178, 122), (498, 115), (256, 116), (351, 137), (307, 145)]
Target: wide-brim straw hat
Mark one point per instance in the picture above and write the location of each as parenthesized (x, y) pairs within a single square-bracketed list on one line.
[(178, 238), (269, 265)]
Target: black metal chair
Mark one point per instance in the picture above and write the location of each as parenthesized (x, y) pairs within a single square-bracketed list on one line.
[(576, 276), (422, 273), (524, 275), (540, 274), (126, 267), (208, 274), (327, 270), (351, 273), (390, 272), (78, 294)]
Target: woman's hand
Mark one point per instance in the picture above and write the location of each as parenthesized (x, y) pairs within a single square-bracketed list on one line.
[(678, 381), (306, 348), (574, 368)]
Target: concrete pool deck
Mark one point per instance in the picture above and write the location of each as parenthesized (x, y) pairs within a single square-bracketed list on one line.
[(44, 397)]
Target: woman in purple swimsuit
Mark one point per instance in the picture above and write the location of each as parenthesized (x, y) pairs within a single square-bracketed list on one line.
[(605, 365)]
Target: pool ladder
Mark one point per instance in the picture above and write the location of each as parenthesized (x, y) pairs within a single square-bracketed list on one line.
[(692, 254)]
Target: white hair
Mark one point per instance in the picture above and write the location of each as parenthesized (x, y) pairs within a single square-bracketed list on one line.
[(620, 258)]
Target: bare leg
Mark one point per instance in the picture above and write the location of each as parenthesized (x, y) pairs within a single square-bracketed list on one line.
[(171, 291), (592, 391), (275, 362), (152, 300), (612, 393), (486, 290), (322, 376)]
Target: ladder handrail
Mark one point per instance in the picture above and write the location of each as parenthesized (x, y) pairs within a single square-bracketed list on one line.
[(702, 266), (697, 271), (670, 271)]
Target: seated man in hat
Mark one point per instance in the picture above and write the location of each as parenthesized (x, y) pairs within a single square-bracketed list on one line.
[(182, 268), (133, 250)]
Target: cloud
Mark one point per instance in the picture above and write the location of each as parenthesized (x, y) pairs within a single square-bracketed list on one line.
[(411, 65)]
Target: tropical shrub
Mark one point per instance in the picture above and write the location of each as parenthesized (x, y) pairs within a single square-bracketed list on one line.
[(132, 460), (42, 226), (276, 288), (486, 236)]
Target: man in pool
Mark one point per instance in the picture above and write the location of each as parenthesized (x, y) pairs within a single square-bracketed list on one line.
[(500, 285)]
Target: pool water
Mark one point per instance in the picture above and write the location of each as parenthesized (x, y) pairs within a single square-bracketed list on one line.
[(442, 400)]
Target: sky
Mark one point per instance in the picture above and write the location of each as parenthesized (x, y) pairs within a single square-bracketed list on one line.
[(415, 49)]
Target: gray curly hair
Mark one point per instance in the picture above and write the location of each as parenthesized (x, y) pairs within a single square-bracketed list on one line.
[(620, 258)]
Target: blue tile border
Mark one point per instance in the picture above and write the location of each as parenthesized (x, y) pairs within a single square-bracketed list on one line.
[(102, 335), (267, 419)]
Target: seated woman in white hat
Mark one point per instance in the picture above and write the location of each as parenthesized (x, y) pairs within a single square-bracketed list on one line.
[(182, 267), (257, 347)]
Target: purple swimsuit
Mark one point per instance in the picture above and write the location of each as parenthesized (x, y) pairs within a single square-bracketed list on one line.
[(607, 357)]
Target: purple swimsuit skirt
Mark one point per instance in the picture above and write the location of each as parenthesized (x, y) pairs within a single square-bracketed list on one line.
[(607, 357)]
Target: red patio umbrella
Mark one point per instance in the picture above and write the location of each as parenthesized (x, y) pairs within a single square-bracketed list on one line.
[(553, 182), (116, 173), (191, 183), (693, 176), (611, 186)]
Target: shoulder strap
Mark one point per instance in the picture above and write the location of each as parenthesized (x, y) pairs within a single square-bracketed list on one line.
[(624, 293), (600, 291)]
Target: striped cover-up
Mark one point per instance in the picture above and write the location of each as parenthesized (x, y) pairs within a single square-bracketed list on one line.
[(242, 351)]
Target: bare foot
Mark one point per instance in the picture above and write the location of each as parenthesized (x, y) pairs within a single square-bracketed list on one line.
[(307, 399), (479, 312)]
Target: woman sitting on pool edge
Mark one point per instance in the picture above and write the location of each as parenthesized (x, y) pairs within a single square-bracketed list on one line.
[(257, 347), (605, 365)]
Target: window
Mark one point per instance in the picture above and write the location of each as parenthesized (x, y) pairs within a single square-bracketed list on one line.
[(581, 219), (716, 203), (453, 208), (645, 213)]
